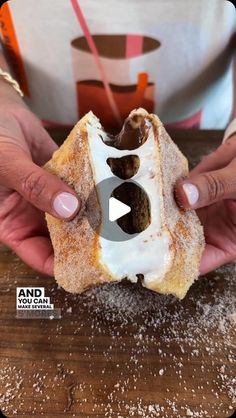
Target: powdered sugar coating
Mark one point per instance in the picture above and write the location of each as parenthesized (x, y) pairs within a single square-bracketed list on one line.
[(78, 261)]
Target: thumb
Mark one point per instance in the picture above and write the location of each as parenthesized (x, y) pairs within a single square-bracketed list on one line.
[(42, 189), (207, 188)]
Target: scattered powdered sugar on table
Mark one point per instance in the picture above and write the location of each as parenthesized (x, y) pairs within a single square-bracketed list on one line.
[(12, 389), (189, 325), (123, 302), (160, 339)]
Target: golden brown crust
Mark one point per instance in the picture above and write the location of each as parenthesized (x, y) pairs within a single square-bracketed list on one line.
[(76, 245), (187, 238), (76, 265)]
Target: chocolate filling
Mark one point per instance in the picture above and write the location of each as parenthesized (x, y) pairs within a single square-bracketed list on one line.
[(134, 196), (124, 167), (133, 134)]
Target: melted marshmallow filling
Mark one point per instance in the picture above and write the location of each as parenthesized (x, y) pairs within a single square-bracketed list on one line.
[(147, 253)]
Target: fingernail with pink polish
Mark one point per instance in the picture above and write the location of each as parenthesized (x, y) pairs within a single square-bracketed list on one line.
[(191, 192), (65, 205)]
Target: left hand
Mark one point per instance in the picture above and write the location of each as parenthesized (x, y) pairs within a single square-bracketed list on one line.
[(211, 190), (27, 190)]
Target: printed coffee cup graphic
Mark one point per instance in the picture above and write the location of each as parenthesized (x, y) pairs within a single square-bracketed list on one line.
[(122, 57)]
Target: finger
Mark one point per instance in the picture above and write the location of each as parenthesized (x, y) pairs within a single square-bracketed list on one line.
[(207, 188), (213, 258), (42, 189), (37, 252), (23, 228), (218, 159)]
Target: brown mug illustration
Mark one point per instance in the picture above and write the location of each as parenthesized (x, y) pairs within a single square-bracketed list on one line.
[(121, 56)]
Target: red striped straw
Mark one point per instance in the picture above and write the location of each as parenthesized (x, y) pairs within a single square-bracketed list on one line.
[(98, 62)]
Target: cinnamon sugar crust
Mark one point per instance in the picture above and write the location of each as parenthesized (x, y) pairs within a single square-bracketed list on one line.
[(76, 244)]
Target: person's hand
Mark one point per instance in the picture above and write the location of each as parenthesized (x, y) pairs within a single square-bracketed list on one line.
[(27, 190), (211, 190)]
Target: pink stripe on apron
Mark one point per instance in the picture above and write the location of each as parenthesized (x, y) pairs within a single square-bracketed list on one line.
[(134, 45)]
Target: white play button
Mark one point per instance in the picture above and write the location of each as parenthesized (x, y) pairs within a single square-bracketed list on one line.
[(117, 209)]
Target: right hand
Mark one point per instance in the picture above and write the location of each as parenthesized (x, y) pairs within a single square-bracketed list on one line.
[(211, 190), (26, 189)]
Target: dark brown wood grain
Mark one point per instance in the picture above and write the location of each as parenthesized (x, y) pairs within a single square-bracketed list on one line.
[(165, 361)]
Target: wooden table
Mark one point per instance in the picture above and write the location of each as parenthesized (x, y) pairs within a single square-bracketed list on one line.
[(121, 351)]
